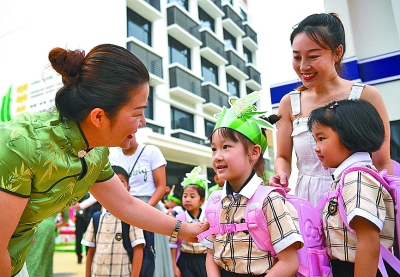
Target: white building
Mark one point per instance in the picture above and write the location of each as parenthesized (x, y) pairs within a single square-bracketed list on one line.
[(198, 52)]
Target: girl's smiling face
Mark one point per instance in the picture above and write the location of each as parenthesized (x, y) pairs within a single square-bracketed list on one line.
[(230, 160), (330, 150)]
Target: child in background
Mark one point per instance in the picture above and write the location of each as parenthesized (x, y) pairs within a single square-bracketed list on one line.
[(173, 203), (192, 258), (106, 254), (219, 184), (346, 132), (238, 144)]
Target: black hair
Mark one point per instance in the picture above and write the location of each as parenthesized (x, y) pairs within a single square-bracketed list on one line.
[(236, 136), (357, 123), (197, 188), (106, 78), (326, 30), (119, 170)]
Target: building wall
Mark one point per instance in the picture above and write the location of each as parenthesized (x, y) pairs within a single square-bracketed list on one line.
[(28, 34)]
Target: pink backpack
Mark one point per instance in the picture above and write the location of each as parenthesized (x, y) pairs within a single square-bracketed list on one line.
[(312, 256), (392, 185)]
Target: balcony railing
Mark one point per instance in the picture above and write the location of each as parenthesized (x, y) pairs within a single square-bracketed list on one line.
[(152, 61), (254, 74), (215, 96), (217, 3), (235, 60), (184, 136), (154, 3), (180, 78), (155, 128), (250, 33), (230, 13), (176, 16), (209, 40)]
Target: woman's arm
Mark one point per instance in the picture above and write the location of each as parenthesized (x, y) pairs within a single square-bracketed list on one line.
[(283, 162), (11, 207), (381, 158), (213, 270), (368, 245), (160, 181), (288, 263), (117, 200), (84, 204)]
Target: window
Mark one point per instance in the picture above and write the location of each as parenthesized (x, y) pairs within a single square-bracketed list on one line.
[(209, 71), (181, 120), (243, 14), (178, 52), (249, 90), (139, 27), (183, 3), (227, 1), (247, 55), (208, 127), (395, 140), (210, 177), (176, 172), (232, 85), (206, 21), (230, 41), (149, 111)]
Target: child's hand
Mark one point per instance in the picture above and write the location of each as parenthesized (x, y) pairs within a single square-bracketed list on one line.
[(177, 272), (280, 180)]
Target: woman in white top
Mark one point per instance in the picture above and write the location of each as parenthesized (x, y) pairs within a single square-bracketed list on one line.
[(318, 44), (145, 165)]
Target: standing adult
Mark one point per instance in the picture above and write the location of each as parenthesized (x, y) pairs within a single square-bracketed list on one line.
[(39, 261), (49, 160), (147, 180), (318, 44)]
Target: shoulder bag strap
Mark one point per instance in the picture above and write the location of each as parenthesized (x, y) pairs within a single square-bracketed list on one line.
[(130, 173)]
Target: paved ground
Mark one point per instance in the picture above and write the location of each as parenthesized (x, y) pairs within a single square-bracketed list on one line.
[(66, 265)]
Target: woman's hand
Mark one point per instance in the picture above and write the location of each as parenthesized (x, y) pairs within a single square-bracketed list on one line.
[(190, 231), (280, 180)]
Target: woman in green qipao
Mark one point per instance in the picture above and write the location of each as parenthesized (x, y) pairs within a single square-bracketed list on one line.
[(50, 160)]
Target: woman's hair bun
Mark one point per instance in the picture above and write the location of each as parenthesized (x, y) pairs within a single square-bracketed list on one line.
[(67, 63)]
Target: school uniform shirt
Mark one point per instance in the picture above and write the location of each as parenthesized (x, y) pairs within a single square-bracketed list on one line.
[(363, 196), (39, 161), (111, 258), (237, 252), (186, 246)]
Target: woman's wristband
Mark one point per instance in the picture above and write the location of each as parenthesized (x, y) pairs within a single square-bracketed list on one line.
[(176, 229)]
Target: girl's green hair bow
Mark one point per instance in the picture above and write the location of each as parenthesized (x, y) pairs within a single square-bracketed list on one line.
[(243, 117), (195, 178)]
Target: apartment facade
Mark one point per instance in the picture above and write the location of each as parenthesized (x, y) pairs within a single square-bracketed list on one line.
[(198, 54)]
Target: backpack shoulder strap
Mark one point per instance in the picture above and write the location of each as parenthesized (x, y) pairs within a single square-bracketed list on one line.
[(295, 102), (213, 210), (96, 220), (126, 241), (368, 170), (255, 218), (181, 217), (356, 90)]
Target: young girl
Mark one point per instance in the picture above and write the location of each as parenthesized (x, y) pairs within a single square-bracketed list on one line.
[(173, 205), (346, 132), (238, 144), (192, 258)]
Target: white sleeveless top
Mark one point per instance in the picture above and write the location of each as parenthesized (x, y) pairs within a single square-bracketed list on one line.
[(313, 179)]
